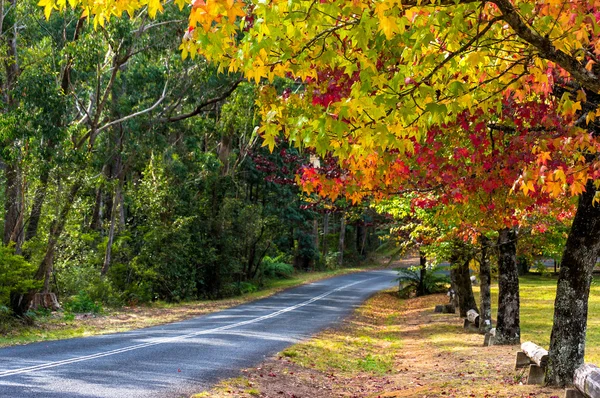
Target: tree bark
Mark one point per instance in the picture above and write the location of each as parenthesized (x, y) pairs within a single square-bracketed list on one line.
[(567, 341), (325, 232), (360, 235), (315, 232), (462, 280), (38, 202), (111, 230), (485, 297), (342, 238), (13, 206), (508, 329), (421, 291)]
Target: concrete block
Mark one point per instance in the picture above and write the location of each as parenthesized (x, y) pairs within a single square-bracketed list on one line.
[(537, 375)]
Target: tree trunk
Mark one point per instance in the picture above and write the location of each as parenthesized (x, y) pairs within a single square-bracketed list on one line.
[(13, 206), (111, 230), (485, 276), (360, 234), (325, 232), (464, 290), (567, 341), (421, 291), (96, 223), (342, 238), (38, 202), (508, 330), (315, 233)]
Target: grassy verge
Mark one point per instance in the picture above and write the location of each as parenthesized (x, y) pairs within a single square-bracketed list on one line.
[(400, 348), (60, 326)]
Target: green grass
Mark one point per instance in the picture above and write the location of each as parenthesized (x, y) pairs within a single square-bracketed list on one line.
[(537, 295), (62, 326)]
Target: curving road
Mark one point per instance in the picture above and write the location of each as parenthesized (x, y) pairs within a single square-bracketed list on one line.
[(178, 359)]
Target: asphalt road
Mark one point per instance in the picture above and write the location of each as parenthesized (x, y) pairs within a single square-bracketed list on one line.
[(182, 358)]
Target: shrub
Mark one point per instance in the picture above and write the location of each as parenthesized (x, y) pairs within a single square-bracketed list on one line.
[(332, 260), (246, 287), (82, 303), (16, 275), (275, 268)]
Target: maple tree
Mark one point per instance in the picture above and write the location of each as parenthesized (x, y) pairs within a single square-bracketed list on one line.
[(374, 77)]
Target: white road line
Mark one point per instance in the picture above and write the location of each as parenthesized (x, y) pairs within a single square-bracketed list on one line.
[(165, 340)]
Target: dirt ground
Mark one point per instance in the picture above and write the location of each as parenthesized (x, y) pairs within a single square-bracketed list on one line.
[(391, 348)]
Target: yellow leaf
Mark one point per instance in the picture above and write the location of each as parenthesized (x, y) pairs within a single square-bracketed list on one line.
[(554, 188), (388, 26), (527, 187), (577, 188), (590, 117), (559, 175), (153, 7)]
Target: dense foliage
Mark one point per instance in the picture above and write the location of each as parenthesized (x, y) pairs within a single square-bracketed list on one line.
[(130, 174)]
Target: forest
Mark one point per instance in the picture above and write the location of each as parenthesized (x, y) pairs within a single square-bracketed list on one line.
[(165, 151), (131, 175)]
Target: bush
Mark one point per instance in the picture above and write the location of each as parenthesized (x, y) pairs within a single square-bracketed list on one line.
[(247, 287), (274, 268), (16, 275), (332, 260), (82, 303), (435, 281)]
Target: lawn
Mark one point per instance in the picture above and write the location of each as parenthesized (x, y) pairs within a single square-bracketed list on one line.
[(537, 305)]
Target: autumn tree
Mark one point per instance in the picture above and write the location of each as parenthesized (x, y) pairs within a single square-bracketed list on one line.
[(407, 66)]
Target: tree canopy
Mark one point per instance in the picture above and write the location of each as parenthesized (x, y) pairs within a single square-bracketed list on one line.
[(493, 103)]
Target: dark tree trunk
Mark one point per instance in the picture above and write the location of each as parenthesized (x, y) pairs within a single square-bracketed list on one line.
[(38, 202), (485, 297), (508, 330), (13, 207), (360, 236), (315, 233), (567, 341), (464, 289), (421, 291), (341, 245), (96, 222), (325, 232)]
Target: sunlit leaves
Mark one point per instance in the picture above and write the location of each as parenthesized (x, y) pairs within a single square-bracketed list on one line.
[(375, 76)]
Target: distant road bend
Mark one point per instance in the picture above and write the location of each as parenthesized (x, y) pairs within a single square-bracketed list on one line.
[(182, 358)]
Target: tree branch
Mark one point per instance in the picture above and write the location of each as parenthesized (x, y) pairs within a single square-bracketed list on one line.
[(136, 114), (204, 104), (546, 49)]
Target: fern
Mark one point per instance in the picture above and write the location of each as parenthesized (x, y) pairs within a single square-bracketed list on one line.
[(435, 280)]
